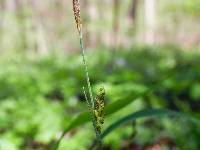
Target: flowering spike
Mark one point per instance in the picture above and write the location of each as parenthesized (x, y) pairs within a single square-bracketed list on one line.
[(99, 109), (76, 9)]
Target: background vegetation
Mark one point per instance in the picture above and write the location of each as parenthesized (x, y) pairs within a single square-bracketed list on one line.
[(145, 51)]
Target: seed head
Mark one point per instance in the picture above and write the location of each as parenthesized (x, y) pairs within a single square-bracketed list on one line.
[(76, 9), (99, 109)]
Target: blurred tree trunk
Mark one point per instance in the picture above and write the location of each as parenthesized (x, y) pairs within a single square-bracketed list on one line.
[(26, 28), (9, 26), (11, 5), (132, 21), (1, 5), (116, 20), (133, 12), (86, 22), (93, 15), (115, 34), (40, 37), (150, 18)]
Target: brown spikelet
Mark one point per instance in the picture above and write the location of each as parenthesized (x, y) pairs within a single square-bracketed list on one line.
[(76, 9)]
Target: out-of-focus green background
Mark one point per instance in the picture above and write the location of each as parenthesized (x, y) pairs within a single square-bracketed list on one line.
[(131, 46)]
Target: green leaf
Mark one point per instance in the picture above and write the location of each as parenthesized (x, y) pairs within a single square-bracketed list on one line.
[(141, 114), (121, 103), (133, 116), (109, 109), (145, 113), (85, 116), (79, 120)]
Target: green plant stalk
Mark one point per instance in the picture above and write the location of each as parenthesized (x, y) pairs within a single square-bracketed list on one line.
[(86, 70), (113, 107), (91, 102)]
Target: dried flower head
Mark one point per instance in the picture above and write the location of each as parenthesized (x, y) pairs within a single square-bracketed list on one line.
[(76, 9)]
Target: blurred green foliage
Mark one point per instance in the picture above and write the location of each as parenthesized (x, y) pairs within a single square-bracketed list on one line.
[(38, 98), (192, 7), (187, 7)]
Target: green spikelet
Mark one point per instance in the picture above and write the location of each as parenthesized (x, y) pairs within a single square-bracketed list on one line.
[(99, 109)]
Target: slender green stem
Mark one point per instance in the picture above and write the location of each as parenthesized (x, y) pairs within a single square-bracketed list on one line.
[(91, 102), (93, 121), (86, 70), (86, 98)]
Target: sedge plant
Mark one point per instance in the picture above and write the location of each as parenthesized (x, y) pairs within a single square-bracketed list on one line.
[(95, 105)]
